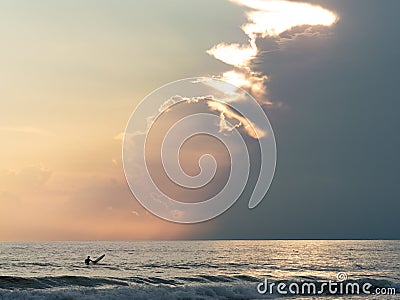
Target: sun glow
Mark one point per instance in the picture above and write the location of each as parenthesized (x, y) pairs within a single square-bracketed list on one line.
[(233, 54), (271, 18), (266, 18), (225, 112)]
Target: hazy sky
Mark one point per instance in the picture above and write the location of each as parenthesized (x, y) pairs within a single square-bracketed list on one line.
[(71, 73)]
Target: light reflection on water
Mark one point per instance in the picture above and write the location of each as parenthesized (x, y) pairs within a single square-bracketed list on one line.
[(280, 260)]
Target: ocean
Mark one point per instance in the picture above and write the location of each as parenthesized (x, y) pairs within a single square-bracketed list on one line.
[(226, 269)]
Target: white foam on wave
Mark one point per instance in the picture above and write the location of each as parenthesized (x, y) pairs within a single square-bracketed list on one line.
[(138, 292), (146, 291)]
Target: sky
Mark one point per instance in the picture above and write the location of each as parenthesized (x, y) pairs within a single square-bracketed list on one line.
[(72, 72)]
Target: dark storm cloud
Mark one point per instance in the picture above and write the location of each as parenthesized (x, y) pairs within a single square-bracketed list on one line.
[(337, 136)]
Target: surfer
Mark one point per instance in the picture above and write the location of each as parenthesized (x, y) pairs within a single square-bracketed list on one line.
[(88, 260)]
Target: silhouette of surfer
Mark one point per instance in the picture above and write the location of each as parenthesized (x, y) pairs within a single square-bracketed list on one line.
[(88, 260)]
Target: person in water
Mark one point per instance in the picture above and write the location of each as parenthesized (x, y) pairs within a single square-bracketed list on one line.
[(88, 260)]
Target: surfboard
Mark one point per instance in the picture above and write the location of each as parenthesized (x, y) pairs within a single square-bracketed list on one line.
[(98, 259)]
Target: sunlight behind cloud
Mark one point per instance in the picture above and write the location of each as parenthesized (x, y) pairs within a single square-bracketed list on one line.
[(233, 54), (266, 18), (226, 112), (236, 78), (271, 18), (253, 82)]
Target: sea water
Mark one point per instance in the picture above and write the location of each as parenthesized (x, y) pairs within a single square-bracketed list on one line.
[(191, 269)]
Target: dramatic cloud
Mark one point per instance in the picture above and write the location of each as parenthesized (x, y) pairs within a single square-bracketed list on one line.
[(267, 18), (253, 82), (233, 54), (225, 112), (271, 18)]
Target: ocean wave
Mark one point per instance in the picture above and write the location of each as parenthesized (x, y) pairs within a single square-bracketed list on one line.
[(139, 292), (147, 291), (199, 286), (12, 282)]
